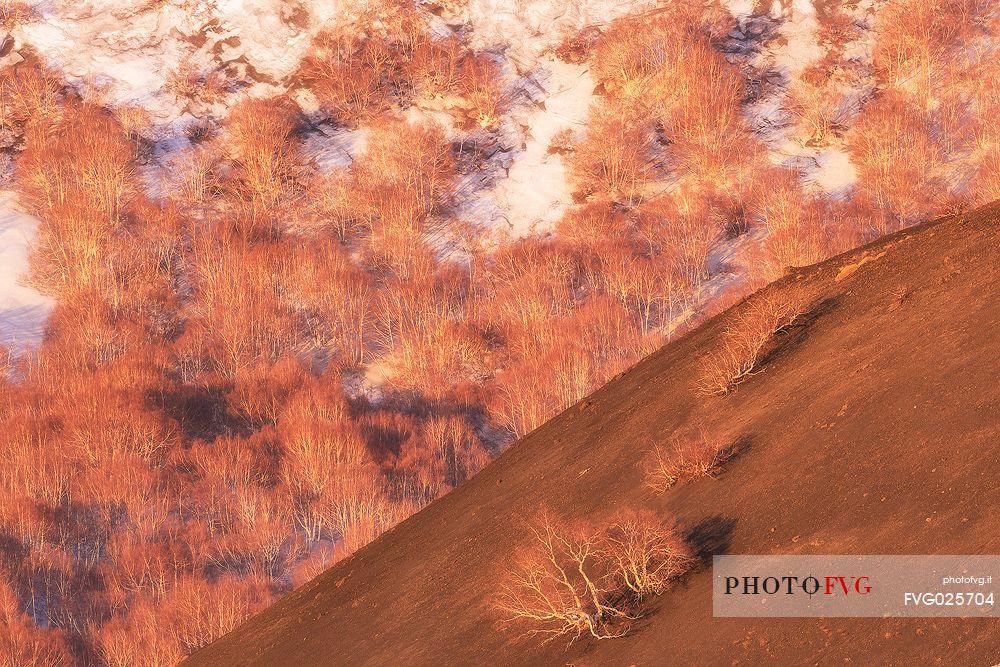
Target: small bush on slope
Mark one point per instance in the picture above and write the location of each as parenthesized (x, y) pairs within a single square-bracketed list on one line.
[(572, 581), (687, 457), (647, 551), (746, 340)]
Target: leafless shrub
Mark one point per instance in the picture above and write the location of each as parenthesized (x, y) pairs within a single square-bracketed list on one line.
[(701, 110), (917, 39), (582, 581), (435, 67), (259, 134), (986, 179), (406, 165), (814, 102), (352, 75), (647, 551), (15, 12), (746, 339), (615, 157), (630, 53), (559, 585), (197, 175), (681, 229), (799, 227), (898, 159), (134, 119), (481, 84), (577, 46), (684, 458), (189, 82), (28, 93)]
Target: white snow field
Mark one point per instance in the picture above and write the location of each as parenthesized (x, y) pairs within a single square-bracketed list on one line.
[(23, 311), (795, 46), (130, 47), (126, 51)]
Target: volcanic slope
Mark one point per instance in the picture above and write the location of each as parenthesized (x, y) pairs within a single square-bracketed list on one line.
[(872, 429)]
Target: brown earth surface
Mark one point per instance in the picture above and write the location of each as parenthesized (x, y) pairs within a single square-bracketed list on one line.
[(873, 429)]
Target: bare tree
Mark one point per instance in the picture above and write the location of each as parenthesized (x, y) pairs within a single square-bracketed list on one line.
[(558, 587), (898, 160), (647, 551)]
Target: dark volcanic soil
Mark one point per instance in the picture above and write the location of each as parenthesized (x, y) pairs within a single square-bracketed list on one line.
[(874, 430)]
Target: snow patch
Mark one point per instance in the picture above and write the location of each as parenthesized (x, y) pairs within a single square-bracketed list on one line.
[(793, 48), (535, 192), (330, 149), (527, 27), (834, 173), (23, 311), (799, 32), (129, 48)]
